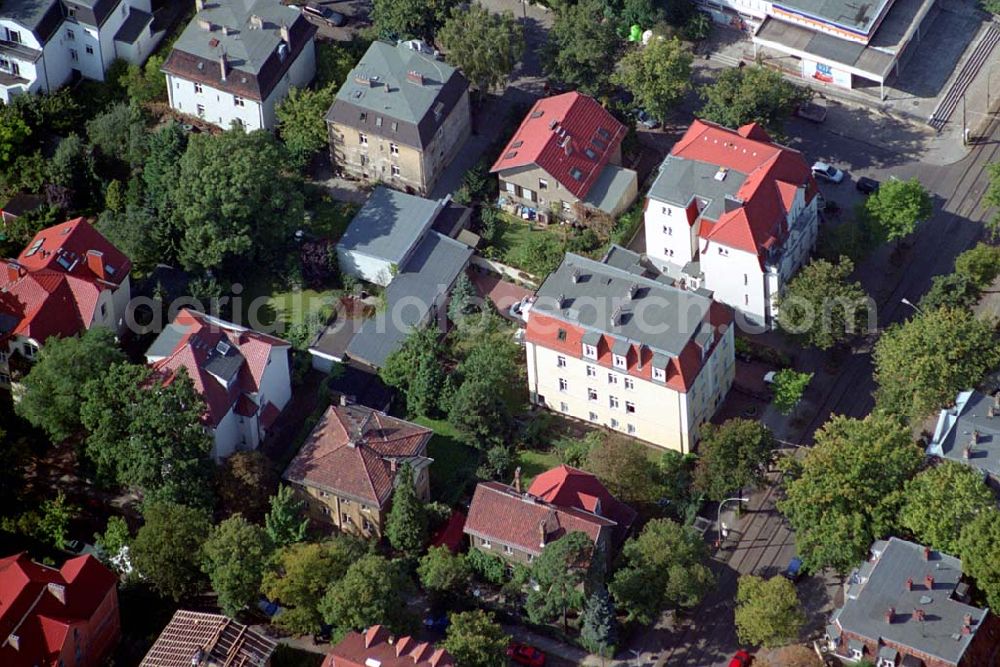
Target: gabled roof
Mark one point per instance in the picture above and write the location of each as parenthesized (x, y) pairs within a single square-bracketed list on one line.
[(570, 136), (355, 451), (41, 604), (389, 225), (571, 487), (225, 362), (499, 513), (216, 638), (377, 646), (75, 248), (744, 184)]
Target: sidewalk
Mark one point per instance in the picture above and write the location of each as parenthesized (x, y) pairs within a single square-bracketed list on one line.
[(552, 647)]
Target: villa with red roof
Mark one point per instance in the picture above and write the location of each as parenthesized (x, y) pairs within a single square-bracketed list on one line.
[(348, 467), (571, 487), (565, 161), (734, 213), (377, 647), (243, 375), (68, 279), (51, 617)]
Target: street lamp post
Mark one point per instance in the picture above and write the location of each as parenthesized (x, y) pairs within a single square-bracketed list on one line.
[(907, 302), (718, 516)]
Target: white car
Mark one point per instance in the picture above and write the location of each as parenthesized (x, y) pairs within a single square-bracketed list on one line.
[(827, 172)]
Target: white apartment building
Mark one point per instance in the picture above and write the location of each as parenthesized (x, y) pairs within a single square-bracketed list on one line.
[(237, 59), (734, 213), (617, 344), (45, 43)]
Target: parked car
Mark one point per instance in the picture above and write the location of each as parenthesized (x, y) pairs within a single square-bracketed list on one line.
[(523, 654), (324, 14), (769, 377), (741, 659), (827, 172), (811, 112), (867, 185), (437, 623), (646, 120), (793, 572)]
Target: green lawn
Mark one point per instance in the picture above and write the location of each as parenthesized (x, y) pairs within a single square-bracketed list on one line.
[(267, 299), (455, 463)]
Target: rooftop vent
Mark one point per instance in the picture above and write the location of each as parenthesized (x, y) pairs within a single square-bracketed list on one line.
[(909, 584), (553, 124), (510, 156), (927, 553), (604, 133), (576, 174), (633, 289), (589, 152), (362, 80), (918, 614), (721, 174), (517, 144), (537, 114), (929, 582), (576, 275), (616, 317), (205, 25), (889, 614), (256, 22), (223, 348)]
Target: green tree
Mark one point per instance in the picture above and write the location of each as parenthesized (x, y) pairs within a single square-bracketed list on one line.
[(952, 290), (821, 306), (940, 501), (582, 49), (991, 6), (663, 567), (752, 94), (53, 389), (992, 196), (658, 75), (732, 456), (335, 60), (234, 557), (480, 414), (285, 523), (463, 296), (623, 465), (922, 363), (539, 254), (979, 549), (162, 171), (598, 631), (644, 13), (405, 19), (302, 121), (406, 525), (72, 167), (789, 386), (370, 592), (981, 264), (475, 639), (559, 572), (768, 612), (119, 134), (146, 83), (300, 575), (418, 353), (149, 436), (484, 45), (444, 574), (116, 536), (13, 133), (55, 518), (898, 207), (167, 548), (842, 498), (243, 484)]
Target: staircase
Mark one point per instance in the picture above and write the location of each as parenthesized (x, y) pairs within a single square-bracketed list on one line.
[(946, 107)]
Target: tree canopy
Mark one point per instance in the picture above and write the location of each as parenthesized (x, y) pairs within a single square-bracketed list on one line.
[(370, 592), (406, 525), (732, 456), (752, 94), (821, 306), (623, 465), (234, 557), (768, 612), (789, 385), (559, 573), (598, 625), (940, 501), (658, 75), (979, 549), (475, 639), (897, 207), (302, 121), (244, 483), (167, 549), (285, 523), (842, 497), (484, 45), (443, 573), (582, 48), (406, 19)]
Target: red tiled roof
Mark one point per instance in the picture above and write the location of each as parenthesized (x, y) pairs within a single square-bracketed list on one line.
[(351, 450), (38, 617), (499, 514), (198, 349), (571, 487), (378, 645), (53, 287), (774, 174), (557, 135), (450, 535)]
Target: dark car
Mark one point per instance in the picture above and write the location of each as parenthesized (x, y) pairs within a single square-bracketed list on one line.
[(324, 13), (646, 120), (741, 659), (437, 623), (794, 570), (523, 654), (811, 112), (867, 185)]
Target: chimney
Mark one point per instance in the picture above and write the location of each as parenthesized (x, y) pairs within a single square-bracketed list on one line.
[(344, 401), (58, 592), (890, 613), (918, 614), (256, 22), (415, 77), (13, 271), (966, 630), (14, 641), (225, 30), (929, 582), (199, 5), (517, 479), (967, 452), (562, 300), (967, 620), (996, 400), (633, 289), (95, 262), (909, 584), (975, 437), (616, 317), (393, 465), (990, 412), (286, 35), (223, 65), (927, 553), (576, 275), (541, 534)]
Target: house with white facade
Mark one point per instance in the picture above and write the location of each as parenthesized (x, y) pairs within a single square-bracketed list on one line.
[(243, 375), (618, 344), (46, 43), (236, 60), (734, 213), (68, 280)]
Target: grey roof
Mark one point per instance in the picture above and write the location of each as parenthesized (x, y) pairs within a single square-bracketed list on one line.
[(954, 433), (134, 24), (858, 16), (679, 180), (876, 62), (389, 225), (224, 362), (167, 341), (607, 191), (379, 91), (588, 293), (90, 12), (41, 17), (874, 591), (428, 273)]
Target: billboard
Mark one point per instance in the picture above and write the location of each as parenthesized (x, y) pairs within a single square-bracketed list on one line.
[(825, 73)]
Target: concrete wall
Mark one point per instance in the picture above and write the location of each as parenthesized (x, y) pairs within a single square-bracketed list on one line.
[(368, 268)]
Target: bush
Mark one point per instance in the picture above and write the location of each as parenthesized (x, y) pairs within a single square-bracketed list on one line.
[(953, 290), (981, 265), (487, 567)]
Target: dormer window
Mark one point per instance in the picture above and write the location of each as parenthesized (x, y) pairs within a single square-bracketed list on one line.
[(659, 374), (589, 351), (620, 361)]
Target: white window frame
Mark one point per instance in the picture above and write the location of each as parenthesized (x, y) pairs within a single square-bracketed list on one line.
[(486, 544), (563, 407), (723, 251), (198, 88), (630, 407), (659, 374), (589, 351), (362, 138), (13, 36), (629, 383), (560, 361), (630, 428), (592, 394), (89, 49), (393, 149), (510, 187), (613, 402), (619, 361), (668, 230), (615, 423), (591, 371), (394, 170), (612, 378), (70, 35), (563, 384), (239, 101), (594, 416)]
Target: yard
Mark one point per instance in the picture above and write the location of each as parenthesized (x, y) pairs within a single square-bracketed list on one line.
[(455, 463)]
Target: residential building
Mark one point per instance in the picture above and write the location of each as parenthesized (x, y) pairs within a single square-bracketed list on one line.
[(969, 433), (194, 639), (517, 526), (243, 375), (908, 606), (377, 646), (565, 486), (564, 162), (735, 213), (394, 241), (236, 60), (400, 118), (617, 344), (66, 616), (45, 43), (69, 279), (348, 467)]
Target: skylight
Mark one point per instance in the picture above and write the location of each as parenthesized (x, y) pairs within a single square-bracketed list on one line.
[(576, 174)]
